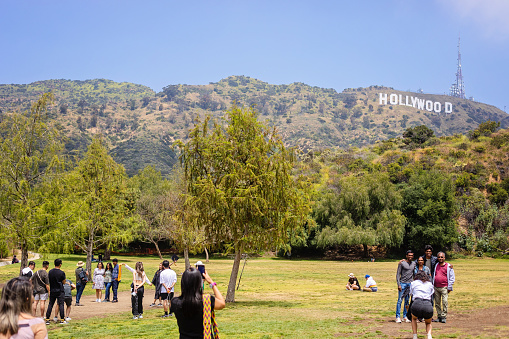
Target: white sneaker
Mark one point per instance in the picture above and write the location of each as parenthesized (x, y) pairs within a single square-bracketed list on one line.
[(135, 317), (415, 336), (99, 300), (55, 319), (67, 319), (429, 336), (140, 317), (398, 320), (408, 320)]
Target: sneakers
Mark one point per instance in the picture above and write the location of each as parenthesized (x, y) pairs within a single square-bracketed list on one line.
[(165, 316), (135, 317), (171, 314), (398, 320), (79, 304), (429, 336), (152, 305), (55, 319), (67, 319), (47, 321), (115, 301), (63, 322), (141, 316), (442, 320), (106, 301), (159, 304), (408, 320)]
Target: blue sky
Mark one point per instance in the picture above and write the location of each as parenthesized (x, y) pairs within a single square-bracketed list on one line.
[(405, 44)]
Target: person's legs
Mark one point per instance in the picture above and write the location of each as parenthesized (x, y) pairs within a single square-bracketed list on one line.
[(61, 306), (404, 288), (355, 287), (52, 300), (439, 301), (34, 305), (428, 326), (79, 291), (366, 289), (134, 304), (42, 307), (107, 293), (445, 303), (141, 292), (398, 304), (114, 287), (414, 324)]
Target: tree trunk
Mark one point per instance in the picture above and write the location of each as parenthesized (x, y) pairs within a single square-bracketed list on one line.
[(90, 249), (107, 253), (158, 250), (24, 257), (206, 254), (366, 254), (186, 258), (230, 295)]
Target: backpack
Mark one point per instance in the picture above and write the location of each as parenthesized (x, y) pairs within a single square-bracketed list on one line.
[(67, 289), (83, 276)]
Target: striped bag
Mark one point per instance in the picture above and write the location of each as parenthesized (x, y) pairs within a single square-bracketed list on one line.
[(210, 330)]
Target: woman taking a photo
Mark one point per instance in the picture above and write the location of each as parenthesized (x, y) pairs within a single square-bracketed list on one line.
[(421, 290), (188, 307), (99, 281), (16, 320), (139, 277)]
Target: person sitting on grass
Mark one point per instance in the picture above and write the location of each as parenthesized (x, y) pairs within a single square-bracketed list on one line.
[(15, 308), (189, 306), (353, 283), (421, 290), (370, 284)]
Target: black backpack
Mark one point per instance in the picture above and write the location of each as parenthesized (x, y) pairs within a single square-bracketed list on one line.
[(83, 276)]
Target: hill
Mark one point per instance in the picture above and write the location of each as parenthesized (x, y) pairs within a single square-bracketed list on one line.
[(141, 124)]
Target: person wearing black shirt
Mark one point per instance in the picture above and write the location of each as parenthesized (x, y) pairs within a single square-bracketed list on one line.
[(56, 290), (188, 307), (353, 283)]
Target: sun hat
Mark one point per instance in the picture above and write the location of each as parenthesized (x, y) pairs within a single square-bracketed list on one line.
[(351, 275), (198, 263), (80, 263)]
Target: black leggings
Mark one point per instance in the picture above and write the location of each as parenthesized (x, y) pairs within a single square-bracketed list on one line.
[(137, 301), (60, 300)]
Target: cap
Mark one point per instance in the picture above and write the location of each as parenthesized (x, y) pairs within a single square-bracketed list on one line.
[(80, 263), (366, 276)]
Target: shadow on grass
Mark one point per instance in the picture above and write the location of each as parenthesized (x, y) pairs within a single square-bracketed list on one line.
[(264, 303)]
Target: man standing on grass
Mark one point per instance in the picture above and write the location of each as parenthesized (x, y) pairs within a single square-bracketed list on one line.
[(56, 291), (40, 282), (116, 275), (167, 279), (443, 281), (29, 270), (429, 259), (404, 277), (81, 281)]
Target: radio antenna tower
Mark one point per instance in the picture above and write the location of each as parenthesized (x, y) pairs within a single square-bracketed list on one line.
[(458, 88)]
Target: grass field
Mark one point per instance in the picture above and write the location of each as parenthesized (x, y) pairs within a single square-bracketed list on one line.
[(281, 298)]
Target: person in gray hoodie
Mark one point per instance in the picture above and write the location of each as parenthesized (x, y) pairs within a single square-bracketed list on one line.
[(443, 281), (404, 277)]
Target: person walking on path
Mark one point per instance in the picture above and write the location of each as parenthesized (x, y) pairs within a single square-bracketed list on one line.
[(138, 290), (168, 279), (108, 281), (40, 283), (404, 277), (157, 284), (99, 281), (116, 277), (421, 290), (81, 281), (15, 306), (56, 292), (443, 280)]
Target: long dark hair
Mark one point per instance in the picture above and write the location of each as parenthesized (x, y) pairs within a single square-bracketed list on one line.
[(191, 286), (109, 267), (16, 299)]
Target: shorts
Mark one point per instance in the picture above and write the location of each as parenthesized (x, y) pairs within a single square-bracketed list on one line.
[(166, 296), (41, 296), (374, 289), (68, 301), (422, 308)]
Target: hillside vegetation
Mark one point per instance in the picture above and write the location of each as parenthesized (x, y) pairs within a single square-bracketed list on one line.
[(140, 124)]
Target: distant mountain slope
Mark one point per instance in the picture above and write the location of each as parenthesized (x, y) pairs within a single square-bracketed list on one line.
[(141, 124)]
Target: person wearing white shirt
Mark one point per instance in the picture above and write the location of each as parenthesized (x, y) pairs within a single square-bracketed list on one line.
[(370, 284), (421, 290), (29, 270), (167, 279)]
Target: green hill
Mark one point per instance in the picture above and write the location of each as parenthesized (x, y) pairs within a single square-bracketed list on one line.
[(141, 124)]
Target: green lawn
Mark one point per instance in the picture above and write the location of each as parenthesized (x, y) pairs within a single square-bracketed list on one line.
[(281, 298)]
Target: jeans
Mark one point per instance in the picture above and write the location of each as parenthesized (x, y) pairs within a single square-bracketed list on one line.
[(60, 299), (404, 287), (114, 287), (79, 291), (107, 288)]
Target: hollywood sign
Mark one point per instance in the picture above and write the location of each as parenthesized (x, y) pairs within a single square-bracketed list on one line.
[(415, 102)]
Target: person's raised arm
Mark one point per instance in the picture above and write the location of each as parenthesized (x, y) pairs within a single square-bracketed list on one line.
[(219, 303)]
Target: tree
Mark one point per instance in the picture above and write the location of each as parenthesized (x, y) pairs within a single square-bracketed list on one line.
[(417, 135), (360, 210), (29, 148), (428, 205), (240, 185), (101, 203)]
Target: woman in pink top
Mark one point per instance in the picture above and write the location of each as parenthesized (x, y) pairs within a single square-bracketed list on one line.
[(16, 320)]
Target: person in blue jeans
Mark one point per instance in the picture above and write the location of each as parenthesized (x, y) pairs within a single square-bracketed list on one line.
[(404, 277), (108, 281), (115, 279), (80, 285)]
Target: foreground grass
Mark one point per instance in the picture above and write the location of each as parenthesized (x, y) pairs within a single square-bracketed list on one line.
[(281, 298)]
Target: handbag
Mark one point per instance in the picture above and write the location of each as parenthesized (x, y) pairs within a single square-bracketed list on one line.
[(210, 330)]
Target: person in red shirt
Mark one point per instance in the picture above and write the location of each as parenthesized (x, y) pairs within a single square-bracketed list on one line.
[(443, 281)]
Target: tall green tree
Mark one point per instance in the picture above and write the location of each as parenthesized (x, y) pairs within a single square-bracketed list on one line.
[(101, 204), (29, 148), (360, 210), (428, 204), (240, 185)]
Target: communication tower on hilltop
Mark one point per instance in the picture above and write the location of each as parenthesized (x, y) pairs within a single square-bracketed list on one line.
[(458, 88)]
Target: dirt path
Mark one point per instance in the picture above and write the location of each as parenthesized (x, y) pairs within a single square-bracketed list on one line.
[(492, 322)]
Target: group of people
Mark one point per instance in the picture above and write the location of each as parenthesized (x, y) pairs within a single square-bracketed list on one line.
[(24, 295), (427, 280), (353, 284)]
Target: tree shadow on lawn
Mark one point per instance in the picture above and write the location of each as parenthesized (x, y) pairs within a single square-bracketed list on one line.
[(264, 303)]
